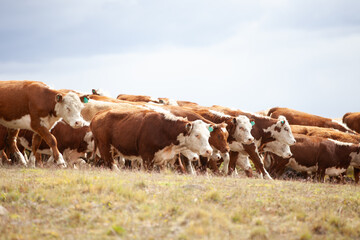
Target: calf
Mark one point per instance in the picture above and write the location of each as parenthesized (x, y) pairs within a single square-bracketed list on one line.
[(34, 106), (148, 135), (352, 120), (320, 155), (73, 143), (301, 118)]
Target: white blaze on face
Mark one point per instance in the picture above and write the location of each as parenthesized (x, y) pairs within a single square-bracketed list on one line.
[(285, 134), (69, 109), (243, 130), (198, 140), (190, 155), (278, 148), (216, 156), (355, 159)]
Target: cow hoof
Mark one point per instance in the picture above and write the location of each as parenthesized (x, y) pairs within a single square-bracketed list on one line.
[(62, 165)]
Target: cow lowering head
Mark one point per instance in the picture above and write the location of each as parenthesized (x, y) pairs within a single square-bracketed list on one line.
[(69, 107), (355, 157), (281, 131), (243, 130), (278, 148), (218, 137), (197, 139)]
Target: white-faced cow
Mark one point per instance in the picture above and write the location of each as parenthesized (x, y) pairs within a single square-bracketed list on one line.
[(318, 155), (150, 136), (34, 106), (265, 130)]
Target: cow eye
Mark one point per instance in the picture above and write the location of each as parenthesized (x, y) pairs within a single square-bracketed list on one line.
[(241, 128), (286, 129), (197, 135), (68, 110)]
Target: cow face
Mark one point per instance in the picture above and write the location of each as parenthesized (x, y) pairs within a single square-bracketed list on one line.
[(281, 131), (278, 148), (243, 130), (197, 139), (69, 107), (218, 137)]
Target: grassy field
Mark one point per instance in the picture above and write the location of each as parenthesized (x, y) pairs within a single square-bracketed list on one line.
[(99, 204)]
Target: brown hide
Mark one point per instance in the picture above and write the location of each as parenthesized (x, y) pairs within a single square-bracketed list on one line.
[(134, 133), (136, 98), (312, 151), (295, 117), (352, 120)]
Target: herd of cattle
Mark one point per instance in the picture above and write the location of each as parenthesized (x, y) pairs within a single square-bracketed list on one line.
[(76, 129)]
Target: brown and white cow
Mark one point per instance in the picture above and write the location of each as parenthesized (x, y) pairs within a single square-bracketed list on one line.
[(296, 117), (332, 134), (218, 136), (318, 155), (239, 128), (147, 135), (265, 130), (73, 143), (352, 120), (34, 106)]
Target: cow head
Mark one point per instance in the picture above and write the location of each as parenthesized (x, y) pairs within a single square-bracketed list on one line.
[(243, 130), (281, 131), (69, 107), (278, 148), (197, 139), (355, 157), (218, 137)]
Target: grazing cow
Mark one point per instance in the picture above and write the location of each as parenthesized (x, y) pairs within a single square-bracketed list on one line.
[(265, 130), (352, 120), (137, 98), (147, 135), (34, 106), (320, 155), (73, 143), (295, 117)]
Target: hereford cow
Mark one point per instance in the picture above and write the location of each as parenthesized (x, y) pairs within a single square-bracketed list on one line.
[(72, 143), (265, 130), (318, 155), (332, 134), (352, 120), (148, 135), (295, 117), (34, 106)]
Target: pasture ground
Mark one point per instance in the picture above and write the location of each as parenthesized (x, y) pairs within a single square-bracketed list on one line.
[(100, 204)]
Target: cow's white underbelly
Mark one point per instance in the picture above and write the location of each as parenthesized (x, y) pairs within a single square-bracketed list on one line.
[(236, 146), (300, 168), (23, 123), (333, 171)]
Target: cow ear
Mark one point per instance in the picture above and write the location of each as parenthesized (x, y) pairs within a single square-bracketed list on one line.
[(84, 98), (58, 97), (94, 91), (161, 101), (188, 128)]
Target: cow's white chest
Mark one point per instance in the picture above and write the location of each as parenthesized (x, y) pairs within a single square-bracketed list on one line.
[(333, 171), (236, 146), (72, 155), (49, 122), (23, 123), (300, 168), (89, 141)]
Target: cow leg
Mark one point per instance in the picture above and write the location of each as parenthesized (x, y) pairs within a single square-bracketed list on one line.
[(356, 174), (226, 159), (232, 162), (106, 155), (203, 164), (251, 149), (12, 136), (36, 141), (51, 141)]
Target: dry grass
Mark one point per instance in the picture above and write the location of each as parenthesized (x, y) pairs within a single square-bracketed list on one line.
[(99, 204)]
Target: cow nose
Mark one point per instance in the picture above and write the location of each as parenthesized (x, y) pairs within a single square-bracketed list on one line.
[(195, 159), (250, 140)]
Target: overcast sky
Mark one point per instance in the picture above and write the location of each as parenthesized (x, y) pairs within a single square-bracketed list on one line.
[(251, 55)]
